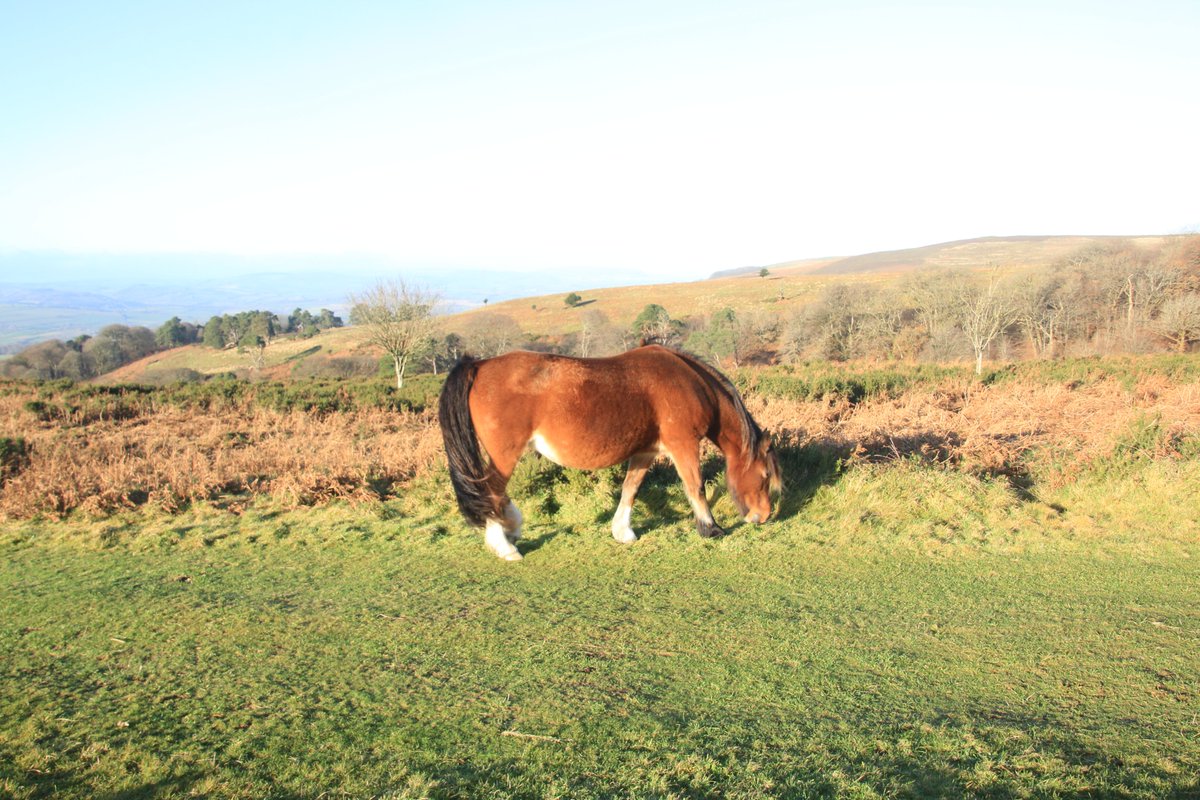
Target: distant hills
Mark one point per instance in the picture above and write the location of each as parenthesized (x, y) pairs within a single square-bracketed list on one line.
[(46, 295), (1000, 251)]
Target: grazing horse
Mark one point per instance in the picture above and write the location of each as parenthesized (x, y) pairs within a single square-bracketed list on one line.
[(590, 413)]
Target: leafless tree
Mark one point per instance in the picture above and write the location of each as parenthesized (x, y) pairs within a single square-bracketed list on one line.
[(398, 318), (1179, 321), (795, 337), (986, 313), (257, 350), (491, 333), (1041, 307), (587, 332), (597, 335), (935, 297)]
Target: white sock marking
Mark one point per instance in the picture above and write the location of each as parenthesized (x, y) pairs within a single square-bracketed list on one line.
[(495, 539), (512, 522), (621, 530)]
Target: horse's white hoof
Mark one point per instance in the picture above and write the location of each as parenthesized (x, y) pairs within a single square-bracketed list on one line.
[(625, 537), (513, 556)]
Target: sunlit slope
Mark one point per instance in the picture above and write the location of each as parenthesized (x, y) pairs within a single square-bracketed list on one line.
[(790, 285), (1013, 252), (279, 354), (786, 287)]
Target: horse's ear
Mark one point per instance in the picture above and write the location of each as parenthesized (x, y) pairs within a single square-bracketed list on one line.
[(764, 445)]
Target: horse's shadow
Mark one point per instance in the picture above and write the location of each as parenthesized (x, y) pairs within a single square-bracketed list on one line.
[(661, 501), (806, 468), (528, 544)]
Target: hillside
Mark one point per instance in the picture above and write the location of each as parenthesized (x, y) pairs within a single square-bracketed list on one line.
[(1012, 252), (278, 357), (789, 284), (1000, 251), (787, 287)]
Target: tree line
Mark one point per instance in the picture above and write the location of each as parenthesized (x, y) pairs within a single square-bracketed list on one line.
[(115, 346)]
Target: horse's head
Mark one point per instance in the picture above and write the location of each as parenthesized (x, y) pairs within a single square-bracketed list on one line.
[(754, 480)]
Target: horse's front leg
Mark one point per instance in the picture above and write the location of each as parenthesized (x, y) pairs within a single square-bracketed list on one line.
[(687, 464), (638, 465)]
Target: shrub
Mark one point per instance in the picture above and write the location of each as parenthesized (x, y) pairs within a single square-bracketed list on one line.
[(165, 377), (823, 380), (14, 456), (336, 367), (40, 409)]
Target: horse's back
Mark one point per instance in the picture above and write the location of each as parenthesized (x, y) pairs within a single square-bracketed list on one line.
[(587, 412)]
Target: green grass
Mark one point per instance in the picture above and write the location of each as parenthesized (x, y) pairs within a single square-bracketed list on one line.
[(858, 381), (902, 631), (1086, 371), (819, 380), (65, 400)]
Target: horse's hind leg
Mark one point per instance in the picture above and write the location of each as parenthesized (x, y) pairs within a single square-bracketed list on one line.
[(638, 465), (512, 521), (503, 528), (687, 464)]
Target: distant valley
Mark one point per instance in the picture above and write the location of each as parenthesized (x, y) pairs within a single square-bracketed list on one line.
[(58, 296)]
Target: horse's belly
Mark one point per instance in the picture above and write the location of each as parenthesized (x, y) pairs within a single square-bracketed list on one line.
[(577, 455)]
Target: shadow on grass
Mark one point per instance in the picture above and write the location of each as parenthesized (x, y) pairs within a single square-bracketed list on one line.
[(805, 468), (528, 544), (54, 783), (972, 756)]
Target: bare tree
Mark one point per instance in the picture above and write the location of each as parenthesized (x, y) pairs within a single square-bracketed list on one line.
[(796, 335), (1041, 308), (597, 336), (935, 296), (841, 320), (257, 348), (491, 333), (986, 313), (1179, 321), (398, 318)]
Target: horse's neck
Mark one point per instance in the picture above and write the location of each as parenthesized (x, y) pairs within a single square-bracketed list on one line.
[(731, 435)]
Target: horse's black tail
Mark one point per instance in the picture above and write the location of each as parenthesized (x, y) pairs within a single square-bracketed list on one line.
[(468, 474)]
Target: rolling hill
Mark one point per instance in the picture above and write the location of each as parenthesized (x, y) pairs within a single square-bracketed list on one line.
[(789, 285)]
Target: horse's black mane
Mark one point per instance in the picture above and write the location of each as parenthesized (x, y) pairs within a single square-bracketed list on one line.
[(751, 433)]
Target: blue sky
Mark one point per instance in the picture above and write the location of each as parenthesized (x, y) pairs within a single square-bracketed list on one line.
[(675, 138)]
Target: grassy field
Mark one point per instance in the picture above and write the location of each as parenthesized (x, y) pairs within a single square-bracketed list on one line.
[(964, 643), (277, 357), (924, 619)]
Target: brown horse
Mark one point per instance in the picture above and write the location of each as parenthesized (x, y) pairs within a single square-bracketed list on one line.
[(590, 413)]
